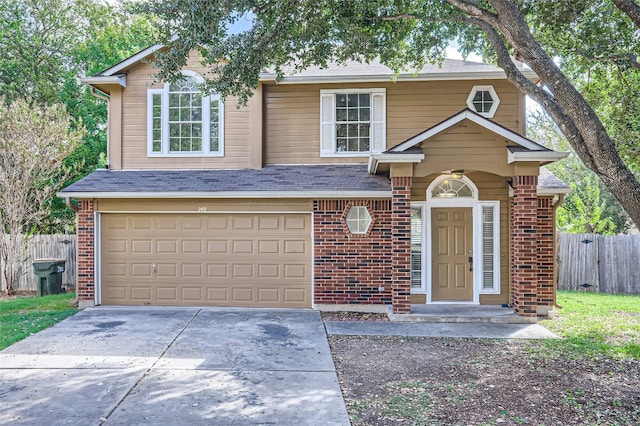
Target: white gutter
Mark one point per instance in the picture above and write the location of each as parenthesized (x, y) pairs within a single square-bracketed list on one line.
[(542, 156), (328, 194), (375, 159), (376, 78), (106, 79), (554, 191)]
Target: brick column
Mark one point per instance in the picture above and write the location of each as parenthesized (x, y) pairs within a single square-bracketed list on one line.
[(524, 234), (85, 286), (546, 261), (401, 242)]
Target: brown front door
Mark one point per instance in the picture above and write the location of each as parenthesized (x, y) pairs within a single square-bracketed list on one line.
[(451, 248)]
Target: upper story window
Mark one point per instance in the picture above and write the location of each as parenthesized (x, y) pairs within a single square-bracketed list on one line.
[(182, 122), (483, 100), (352, 122)]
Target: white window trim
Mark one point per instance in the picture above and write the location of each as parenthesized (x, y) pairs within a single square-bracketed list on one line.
[(476, 208), (382, 144), (206, 123), (494, 95), (359, 220), (496, 248), (423, 248)]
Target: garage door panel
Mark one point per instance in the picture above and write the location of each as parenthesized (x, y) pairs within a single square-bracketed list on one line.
[(217, 246), (141, 222), (192, 246), (141, 246), (142, 294), (242, 246), (206, 259), (242, 222)]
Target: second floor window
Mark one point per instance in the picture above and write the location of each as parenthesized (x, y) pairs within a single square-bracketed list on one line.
[(182, 122), (352, 122)]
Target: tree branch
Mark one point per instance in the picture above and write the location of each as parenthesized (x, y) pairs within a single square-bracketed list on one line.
[(629, 8)]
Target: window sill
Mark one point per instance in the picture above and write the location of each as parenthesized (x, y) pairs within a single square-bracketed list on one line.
[(185, 155), (346, 155)]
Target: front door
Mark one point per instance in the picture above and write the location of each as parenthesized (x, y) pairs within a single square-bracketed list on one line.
[(452, 248)]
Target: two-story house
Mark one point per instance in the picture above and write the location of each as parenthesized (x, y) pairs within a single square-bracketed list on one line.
[(333, 188)]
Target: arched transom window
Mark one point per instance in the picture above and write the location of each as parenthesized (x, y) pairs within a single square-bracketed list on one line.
[(452, 188)]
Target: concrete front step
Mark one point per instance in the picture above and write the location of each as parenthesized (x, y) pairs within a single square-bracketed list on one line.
[(461, 313)]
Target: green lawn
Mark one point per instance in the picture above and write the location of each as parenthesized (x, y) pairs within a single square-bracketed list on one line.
[(595, 325), (23, 316)]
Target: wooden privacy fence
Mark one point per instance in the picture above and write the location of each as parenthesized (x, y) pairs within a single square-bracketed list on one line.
[(57, 246), (605, 264)]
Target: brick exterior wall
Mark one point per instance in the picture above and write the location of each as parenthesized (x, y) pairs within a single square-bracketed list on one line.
[(350, 268), (546, 253), (524, 254), (85, 255), (401, 226)]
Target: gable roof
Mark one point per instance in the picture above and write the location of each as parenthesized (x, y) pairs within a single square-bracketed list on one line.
[(527, 150), (375, 71), (350, 71)]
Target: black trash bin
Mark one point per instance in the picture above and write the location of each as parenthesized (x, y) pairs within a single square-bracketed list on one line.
[(49, 273)]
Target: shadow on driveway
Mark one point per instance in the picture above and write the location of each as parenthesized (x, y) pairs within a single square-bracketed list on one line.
[(174, 366)]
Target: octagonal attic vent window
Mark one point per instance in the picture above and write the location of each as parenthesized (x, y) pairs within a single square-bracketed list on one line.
[(358, 219), (483, 100)]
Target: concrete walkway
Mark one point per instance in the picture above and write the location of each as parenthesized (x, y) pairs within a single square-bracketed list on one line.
[(125, 366), (426, 329)]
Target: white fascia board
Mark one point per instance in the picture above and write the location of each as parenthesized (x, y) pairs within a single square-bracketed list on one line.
[(554, 191), (110, 79), (131, 60), (377, 78), (475, 118), (542, 156), (230, 194), (375, 159)]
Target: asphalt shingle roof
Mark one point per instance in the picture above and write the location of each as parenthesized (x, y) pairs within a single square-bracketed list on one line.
[(548, 180), (294, 178), (270, 178)]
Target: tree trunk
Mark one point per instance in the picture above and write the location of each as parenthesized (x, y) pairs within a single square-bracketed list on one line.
[(591, 140)]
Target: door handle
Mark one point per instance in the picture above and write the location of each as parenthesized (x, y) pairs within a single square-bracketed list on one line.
[(470, 264)]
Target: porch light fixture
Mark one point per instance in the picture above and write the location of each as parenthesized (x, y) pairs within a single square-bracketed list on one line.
[(457, 174)]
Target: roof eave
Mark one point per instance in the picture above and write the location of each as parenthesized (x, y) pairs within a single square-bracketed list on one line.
[(131, 60), (544, 157), (120, 80), (467, 114), (226, 194), (554, 191), (382, 157), (375, 78)]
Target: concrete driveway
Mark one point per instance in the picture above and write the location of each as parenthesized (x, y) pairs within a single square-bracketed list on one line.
[(125, 366)]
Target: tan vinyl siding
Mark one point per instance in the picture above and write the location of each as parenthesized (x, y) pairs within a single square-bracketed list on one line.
[(490, 188), (237, 124), (197, 205), (292, 114), (466, 146)]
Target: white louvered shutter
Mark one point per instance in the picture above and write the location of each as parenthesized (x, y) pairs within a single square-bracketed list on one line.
[(327, 124), (378, 125)]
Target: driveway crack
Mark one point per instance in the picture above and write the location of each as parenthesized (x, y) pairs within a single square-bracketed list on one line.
[(104, 420)]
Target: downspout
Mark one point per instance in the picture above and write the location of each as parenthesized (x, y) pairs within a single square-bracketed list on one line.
[(71, 204), (555, 250), (101, 95), (75, 208)]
